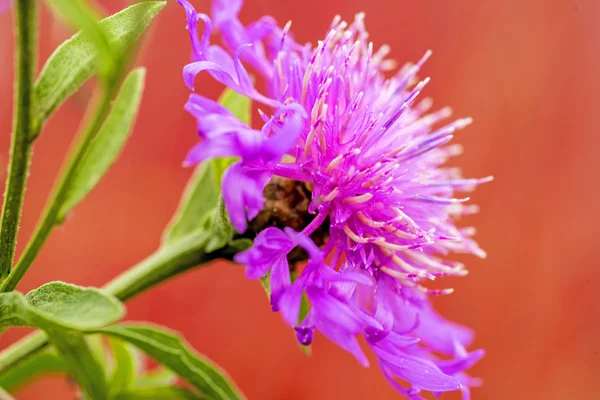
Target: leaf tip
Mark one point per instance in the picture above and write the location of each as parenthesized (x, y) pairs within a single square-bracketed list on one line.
[(139, 73), (159, 5)]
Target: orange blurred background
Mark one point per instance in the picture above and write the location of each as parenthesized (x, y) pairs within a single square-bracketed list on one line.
[(526, 71)]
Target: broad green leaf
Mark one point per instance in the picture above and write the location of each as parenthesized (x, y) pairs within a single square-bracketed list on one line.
[(171, 351), (108, 142), (158, 393), (57, 305), (44, 362), (63, 311), (74, 61), (81, 16), (124, 369)]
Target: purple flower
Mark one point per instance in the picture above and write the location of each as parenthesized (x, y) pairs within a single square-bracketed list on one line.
[(373, 159)]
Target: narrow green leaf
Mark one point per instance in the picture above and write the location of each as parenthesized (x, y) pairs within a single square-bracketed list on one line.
[(83, 365), (80, 15), (265, 282), (124, 369), (201, 195), (45, 362), (158, 393), (108, 142), (97, 348), (241, 107), (171, 351), (139, 362), (238, 104), (73, 11), (213, 219), (217, 222), (57, 305), (304, 309), (199, 198), (73, 62), (157, 377)]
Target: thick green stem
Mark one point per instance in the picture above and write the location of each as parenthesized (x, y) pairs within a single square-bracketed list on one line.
[(161, 266), (24, 128), (164, 264), (51, 215), (21, 350)]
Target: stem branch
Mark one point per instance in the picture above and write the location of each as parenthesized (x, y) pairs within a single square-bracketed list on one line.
[(51, 215), (160, 266)]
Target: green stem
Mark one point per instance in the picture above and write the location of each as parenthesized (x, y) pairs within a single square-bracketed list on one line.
[(23, 131), (51, 215), (164, 264), (21, 350)]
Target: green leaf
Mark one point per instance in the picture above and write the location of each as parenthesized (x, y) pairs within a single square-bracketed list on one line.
[(238, 104), (73, 307), (124, 370), (158, 377), (241, 107), (57, 305), (80, 15), (74, 61), (217, 222), (304, 309), (199, 198), (171, 351), (158, 393), (196, 211), (200, 213), (108, 142), (63, 311), (45, 362), (265, 282), (83, 365), (97, 348)]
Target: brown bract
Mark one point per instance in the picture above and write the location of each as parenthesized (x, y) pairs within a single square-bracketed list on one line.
[(286, 205)]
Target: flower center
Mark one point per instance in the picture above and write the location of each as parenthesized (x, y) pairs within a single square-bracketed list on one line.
[(286, 205)]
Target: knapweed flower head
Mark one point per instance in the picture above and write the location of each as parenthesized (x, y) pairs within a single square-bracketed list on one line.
[(344, 129)]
